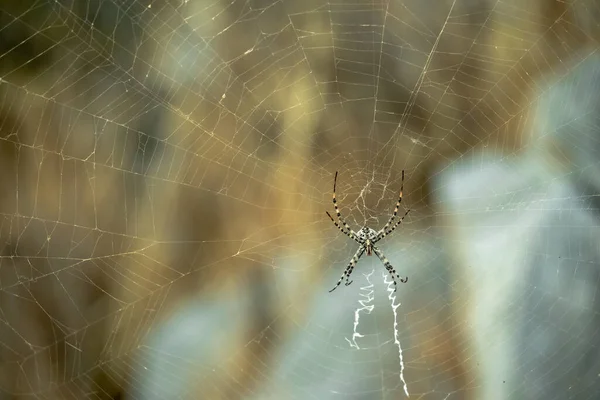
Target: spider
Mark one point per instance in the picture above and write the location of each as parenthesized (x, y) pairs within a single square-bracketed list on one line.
[(366, 238)]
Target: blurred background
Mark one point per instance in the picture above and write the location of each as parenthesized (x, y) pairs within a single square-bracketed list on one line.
[(165, 168)]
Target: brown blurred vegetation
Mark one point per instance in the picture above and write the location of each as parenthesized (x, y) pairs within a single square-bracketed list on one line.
[(146, 158)]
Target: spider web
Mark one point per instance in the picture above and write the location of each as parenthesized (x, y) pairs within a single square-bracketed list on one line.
[(167, 165)]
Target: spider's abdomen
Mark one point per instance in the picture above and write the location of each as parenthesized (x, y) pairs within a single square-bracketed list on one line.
[(367, 233)]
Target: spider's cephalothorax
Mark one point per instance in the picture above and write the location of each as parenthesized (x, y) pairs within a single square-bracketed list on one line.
[(366, 238)]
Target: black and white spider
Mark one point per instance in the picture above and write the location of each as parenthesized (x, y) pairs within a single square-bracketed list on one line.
[(366, 238)]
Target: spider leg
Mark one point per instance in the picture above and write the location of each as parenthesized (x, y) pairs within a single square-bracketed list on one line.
[(389, 267), (395, 208), (349, 268), (337, 210), (383, 233), (351, 234)]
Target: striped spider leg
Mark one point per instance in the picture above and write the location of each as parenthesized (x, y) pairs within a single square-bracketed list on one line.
[(366, 238), (389, 267), (350, 268), (385, 231)]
